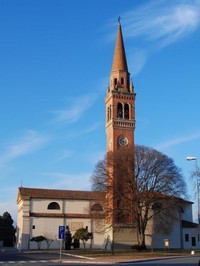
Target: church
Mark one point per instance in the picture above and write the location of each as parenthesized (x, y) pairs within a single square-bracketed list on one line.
[(42, 212)]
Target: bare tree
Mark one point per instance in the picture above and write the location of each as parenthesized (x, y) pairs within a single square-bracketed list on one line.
[(141, 184), (98, 179)]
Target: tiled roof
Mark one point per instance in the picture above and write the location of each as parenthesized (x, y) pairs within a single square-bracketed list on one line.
[(188, 224), (159, 196), (59, 194), (70, 194)]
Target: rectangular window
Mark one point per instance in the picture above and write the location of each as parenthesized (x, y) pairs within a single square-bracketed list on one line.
[(186, 237), (33, 227)]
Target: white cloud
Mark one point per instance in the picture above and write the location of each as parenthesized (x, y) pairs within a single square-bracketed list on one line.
[(65, 154), (156, 25), (136, 60), (69, 181), (75, 134), (178, 141), (77, 107), (162, 21), (30, 142)]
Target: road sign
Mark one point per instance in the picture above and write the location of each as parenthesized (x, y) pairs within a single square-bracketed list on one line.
[(61, 232)]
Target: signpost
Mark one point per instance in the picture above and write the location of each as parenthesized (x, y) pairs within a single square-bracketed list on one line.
[(61, 236), (61, 232)]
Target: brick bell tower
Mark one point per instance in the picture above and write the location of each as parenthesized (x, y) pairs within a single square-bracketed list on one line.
[(120, 101), (120, 126)]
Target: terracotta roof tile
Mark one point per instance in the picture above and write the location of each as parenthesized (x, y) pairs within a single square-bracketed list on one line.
[(60, 194)]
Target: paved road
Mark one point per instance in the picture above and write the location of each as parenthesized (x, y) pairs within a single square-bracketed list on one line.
[(41, 258), (13, 257), (178, 261)]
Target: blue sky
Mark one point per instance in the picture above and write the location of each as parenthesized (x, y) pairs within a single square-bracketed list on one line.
[(55, 62)]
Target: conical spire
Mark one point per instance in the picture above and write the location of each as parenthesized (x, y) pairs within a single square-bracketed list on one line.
[(119, 59)]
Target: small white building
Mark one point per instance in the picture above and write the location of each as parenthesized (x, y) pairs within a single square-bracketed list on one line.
[(42, 211)]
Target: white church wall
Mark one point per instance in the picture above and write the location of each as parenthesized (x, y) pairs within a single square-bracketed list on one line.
[(48, 227), (101, 240), (157, 240), (191, 238), (74, 206), (174, 238), (41, 205), (45, 226), (23, 227)]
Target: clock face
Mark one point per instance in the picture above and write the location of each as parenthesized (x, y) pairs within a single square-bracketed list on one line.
[(123, 141)]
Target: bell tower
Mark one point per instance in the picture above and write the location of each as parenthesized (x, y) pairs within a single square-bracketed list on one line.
[(120, 100), (120, 126)]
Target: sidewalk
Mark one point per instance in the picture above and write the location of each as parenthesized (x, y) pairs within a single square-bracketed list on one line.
[(8, 249)]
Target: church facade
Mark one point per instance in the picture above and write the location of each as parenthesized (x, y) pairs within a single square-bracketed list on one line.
[(44, 211)]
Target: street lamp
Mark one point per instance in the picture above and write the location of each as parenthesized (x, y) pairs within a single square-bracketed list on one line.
[(192, 158)]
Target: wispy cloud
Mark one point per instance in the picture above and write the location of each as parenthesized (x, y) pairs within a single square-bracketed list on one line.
[(65, 154), (157, 24), (178, 141), (75, 134), (163, 21), (28, 143), (69, 181), (75, 109), (137, 60)]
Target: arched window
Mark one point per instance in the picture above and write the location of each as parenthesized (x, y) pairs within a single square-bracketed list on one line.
[(97, 207), (122, 81), (119, 110), (126, 111), (108, 114), (115, 83), (53, 206)]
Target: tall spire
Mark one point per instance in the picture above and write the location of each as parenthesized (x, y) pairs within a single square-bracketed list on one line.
[(119, 59)]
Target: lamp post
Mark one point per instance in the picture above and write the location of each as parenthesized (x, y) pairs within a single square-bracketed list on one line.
[(192, 158)]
